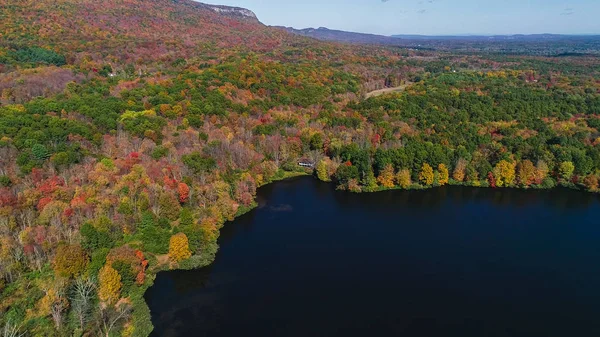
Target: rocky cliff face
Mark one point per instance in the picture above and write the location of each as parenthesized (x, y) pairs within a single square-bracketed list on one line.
[(234, 12)]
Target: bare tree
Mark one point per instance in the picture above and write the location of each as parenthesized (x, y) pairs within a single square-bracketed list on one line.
[(154, 194), (241, 156), (275, 147), (315, 156), (27, 217), (60, 303), (57, 309), (38, 258), (113, 315), (11, 330), (17, 256), (81, 297)]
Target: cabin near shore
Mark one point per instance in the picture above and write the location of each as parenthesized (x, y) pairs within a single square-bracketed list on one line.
[(304, 162)]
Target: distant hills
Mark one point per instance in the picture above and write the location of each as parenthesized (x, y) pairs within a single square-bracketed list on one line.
[(516, 37), (326, 34), (533, 44), (323, 33)]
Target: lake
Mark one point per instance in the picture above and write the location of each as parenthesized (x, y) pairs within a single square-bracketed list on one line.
[(450, 261)]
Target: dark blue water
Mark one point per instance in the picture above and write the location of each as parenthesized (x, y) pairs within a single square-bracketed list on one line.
[(453, 261)]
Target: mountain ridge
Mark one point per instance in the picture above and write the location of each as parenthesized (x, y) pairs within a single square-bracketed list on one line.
[(326, 34), (141, 31)]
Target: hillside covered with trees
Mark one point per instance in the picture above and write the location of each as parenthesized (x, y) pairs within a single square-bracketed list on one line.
[(131, 131)]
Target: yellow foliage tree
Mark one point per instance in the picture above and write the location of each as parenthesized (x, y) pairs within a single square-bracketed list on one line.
[(504, 172), (526, 173), (473, 177), (426, 175), (386, 177), (443, 177), (566, 170), (70, 260), (460, 170), (179, 248), (403, 178), (44, 305), (110, 284), (322, 173), (54, 299), (52, 214)]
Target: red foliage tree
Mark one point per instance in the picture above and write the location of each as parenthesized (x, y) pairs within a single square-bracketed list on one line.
[(7, 198), (131, 159), (491, 180), (67, 213), (184, 192), (169, 182), (37, 175), (376, 140), (43, 202), (78, 201), (141, 275), (51, 184)]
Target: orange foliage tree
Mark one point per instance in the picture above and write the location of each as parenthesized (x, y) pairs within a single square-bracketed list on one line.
[(460, 170), (526, 173), (386, 177), (184, 192), (541, 171), (591, 183)]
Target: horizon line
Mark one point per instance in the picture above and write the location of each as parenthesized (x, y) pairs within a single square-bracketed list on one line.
[(446, 35)]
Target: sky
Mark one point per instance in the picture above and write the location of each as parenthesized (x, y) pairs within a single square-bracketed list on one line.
[(430, 17)]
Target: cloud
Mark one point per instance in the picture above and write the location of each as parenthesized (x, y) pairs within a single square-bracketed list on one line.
[(568, 11), (421, 3)]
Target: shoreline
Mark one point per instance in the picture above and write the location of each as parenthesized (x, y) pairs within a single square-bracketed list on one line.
[(143, 322), (142, 317)]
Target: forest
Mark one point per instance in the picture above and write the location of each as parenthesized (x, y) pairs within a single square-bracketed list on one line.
[(125, 145)]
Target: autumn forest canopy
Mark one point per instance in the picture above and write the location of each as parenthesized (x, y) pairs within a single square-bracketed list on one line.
[(132, 130)]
